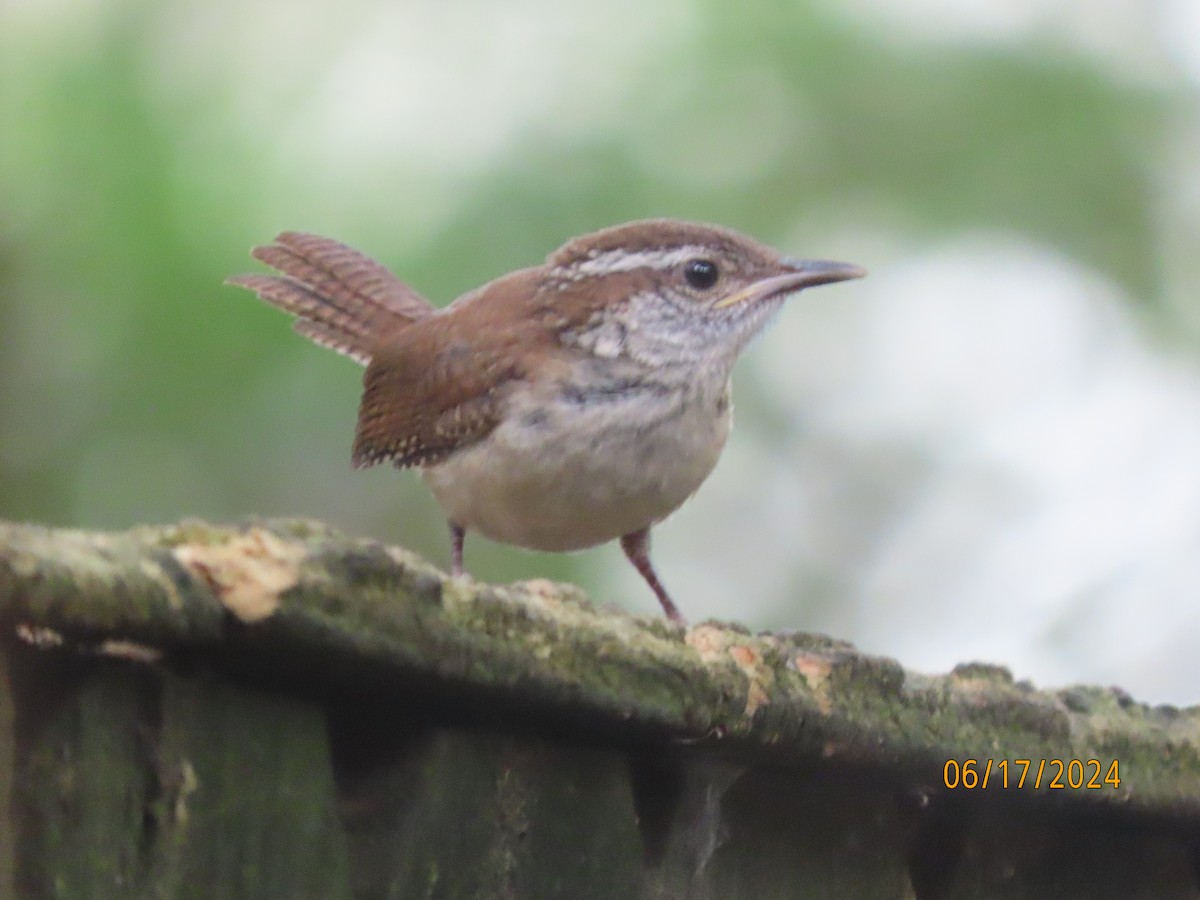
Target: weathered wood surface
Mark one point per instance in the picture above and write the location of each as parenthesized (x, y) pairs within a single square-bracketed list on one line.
[(276, 710)]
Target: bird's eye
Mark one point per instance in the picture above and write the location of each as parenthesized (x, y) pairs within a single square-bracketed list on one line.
[(700, 273)]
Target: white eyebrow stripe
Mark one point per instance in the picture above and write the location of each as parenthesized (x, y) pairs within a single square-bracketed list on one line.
[(624, 261)]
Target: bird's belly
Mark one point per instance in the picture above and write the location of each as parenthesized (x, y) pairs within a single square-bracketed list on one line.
[(563, 476)]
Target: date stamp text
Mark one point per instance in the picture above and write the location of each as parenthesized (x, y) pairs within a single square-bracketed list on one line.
[(1053, 774)]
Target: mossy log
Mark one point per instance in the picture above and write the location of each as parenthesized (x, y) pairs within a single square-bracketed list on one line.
[(276, 710)]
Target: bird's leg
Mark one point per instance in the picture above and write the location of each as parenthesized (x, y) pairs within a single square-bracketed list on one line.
[(457, 535), (636, 545)]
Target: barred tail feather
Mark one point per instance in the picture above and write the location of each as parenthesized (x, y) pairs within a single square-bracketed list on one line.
[(342, 299)]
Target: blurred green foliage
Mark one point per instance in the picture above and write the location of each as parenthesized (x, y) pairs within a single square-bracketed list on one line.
[(134, 387)]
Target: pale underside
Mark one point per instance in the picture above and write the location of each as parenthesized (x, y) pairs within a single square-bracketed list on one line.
[(559, 474)]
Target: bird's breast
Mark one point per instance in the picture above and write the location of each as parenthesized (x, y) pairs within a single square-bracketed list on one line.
[(582, 463)]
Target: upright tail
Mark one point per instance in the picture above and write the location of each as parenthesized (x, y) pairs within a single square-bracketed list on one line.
[(341, 299)]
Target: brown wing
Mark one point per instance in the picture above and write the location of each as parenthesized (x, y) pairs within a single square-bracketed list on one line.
[(342, 299), (440, 384)]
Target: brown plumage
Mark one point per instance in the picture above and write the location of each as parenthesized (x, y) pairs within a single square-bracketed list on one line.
[(432, 387), (434, 382), (560, 406), (439, 384), (341, 299)]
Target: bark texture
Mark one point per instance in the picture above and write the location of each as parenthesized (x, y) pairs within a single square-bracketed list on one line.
[(276, 710)]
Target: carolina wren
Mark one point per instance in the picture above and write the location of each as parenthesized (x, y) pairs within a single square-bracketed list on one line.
[(557, 407)]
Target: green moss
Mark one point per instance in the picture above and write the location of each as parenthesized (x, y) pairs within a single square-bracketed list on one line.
[(361, 611)]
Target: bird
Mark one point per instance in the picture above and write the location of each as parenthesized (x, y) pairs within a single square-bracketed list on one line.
[(560, 406)]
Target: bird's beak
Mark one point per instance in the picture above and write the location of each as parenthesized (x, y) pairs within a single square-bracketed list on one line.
[(803, 273)]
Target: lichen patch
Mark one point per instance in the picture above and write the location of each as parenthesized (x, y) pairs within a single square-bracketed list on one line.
[(248, 573), (708, 641), (759, 677), (716, 645), (816, 669)]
